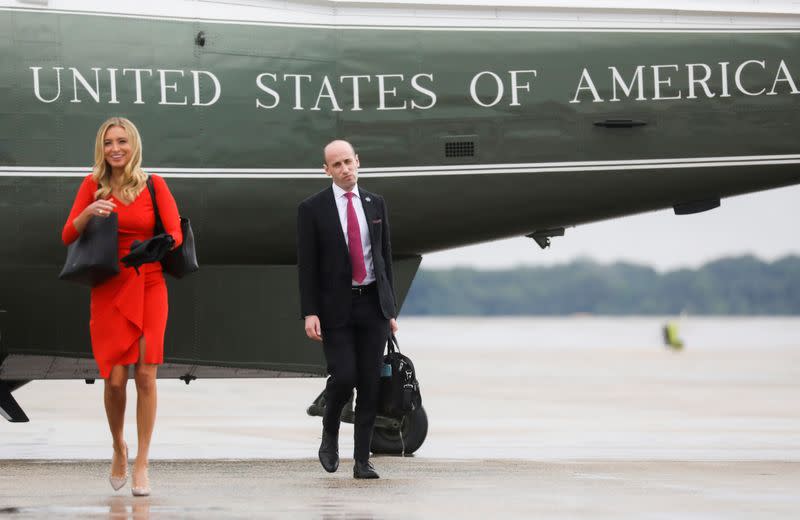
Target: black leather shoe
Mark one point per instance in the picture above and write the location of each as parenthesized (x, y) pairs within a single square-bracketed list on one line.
[(329, 451), (364, 469)]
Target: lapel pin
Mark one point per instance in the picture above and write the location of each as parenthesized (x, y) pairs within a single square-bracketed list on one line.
[(368, 199)]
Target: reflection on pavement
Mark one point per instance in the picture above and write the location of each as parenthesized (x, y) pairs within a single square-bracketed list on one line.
[(129, 507)]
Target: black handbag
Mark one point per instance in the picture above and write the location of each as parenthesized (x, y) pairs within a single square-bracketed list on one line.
[(182, 260), (93, 257)]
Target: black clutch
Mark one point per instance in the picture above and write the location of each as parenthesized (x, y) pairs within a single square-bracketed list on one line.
[(151, 250), (182, 260), (92, 258)]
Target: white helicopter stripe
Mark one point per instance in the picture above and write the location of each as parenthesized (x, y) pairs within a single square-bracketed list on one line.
[(423, 171)]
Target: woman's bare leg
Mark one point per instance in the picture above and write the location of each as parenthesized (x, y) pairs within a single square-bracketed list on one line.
[(114, 398), (146, 399)]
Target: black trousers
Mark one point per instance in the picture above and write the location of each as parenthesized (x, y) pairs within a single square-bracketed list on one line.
[(354, 354)]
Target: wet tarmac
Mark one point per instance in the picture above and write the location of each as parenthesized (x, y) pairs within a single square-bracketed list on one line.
[(518, 429), (410, 488)]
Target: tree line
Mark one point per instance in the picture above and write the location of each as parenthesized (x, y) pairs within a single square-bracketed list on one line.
[(731, 286)]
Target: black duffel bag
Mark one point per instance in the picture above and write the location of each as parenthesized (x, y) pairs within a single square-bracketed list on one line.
[(399, 388)]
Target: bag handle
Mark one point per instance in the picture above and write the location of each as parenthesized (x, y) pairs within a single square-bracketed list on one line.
[(159, 228), (391, 344)]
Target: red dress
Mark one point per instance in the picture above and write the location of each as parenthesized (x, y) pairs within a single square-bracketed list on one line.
[(129, 305)]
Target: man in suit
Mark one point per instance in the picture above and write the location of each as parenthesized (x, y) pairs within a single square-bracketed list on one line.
[(347, 297)]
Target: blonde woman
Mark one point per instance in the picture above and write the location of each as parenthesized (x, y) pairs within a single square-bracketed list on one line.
[(128, 312)]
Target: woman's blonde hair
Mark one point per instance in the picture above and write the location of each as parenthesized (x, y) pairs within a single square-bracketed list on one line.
[(134, 179)]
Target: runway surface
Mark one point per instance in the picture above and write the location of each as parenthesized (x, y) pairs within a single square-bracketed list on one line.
[(413, 488), (517, 428)]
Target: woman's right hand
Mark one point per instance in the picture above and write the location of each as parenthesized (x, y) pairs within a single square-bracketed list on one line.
[(100, 208)]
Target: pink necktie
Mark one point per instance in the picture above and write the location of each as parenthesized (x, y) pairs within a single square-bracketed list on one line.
[(354, 239)]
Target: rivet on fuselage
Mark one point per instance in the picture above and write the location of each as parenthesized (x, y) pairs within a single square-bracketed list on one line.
[(200, 39)]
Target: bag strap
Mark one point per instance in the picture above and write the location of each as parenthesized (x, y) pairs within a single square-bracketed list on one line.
[(159, 228), (392, 345)]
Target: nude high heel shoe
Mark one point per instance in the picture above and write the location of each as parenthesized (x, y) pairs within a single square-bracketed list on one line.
[(142, 491), (118, 482)]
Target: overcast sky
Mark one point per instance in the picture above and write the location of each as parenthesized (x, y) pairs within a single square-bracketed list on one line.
[(765, 224)]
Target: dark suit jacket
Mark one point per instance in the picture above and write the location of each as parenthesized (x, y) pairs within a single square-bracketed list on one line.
[(324, 261)]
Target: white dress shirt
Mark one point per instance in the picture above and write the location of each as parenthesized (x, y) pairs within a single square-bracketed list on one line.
[(366, 244)]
